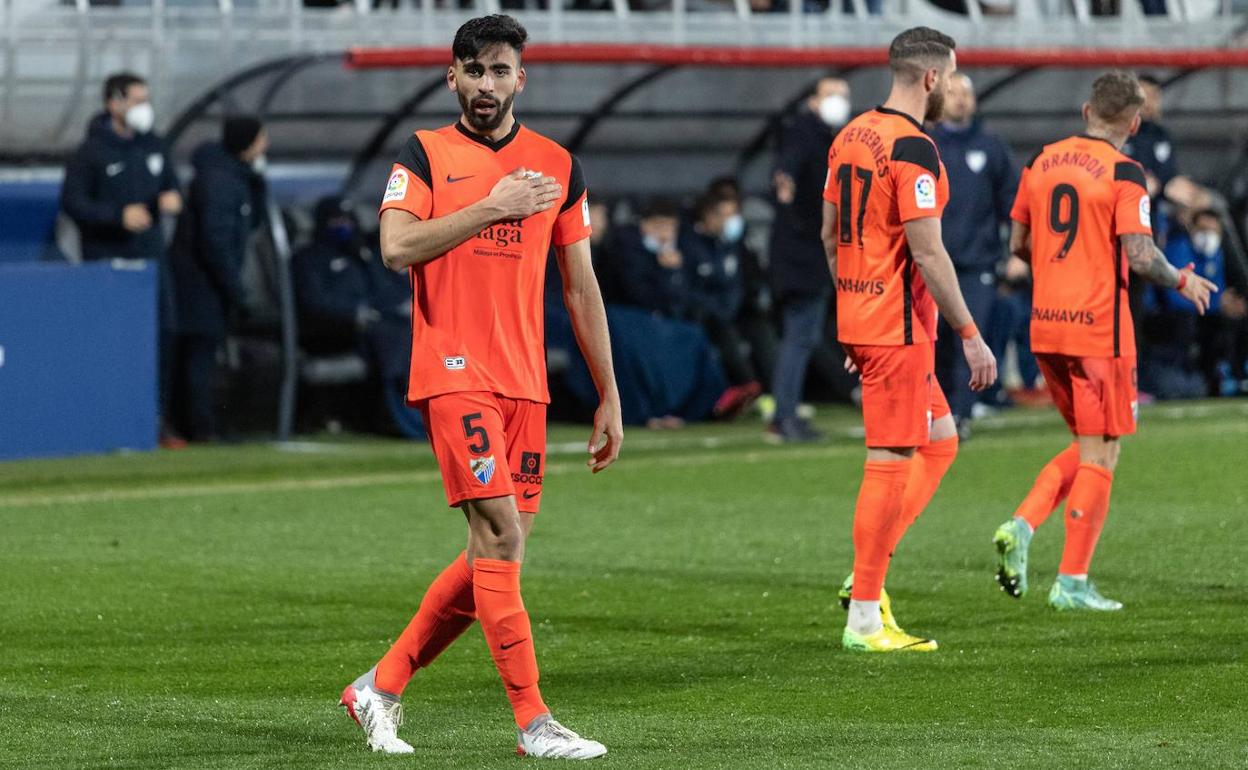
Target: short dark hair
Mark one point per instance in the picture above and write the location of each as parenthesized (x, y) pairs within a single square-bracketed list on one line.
[(708, 202), (1114, 94), (660, 207), (918, 49), (476, 35), (117, 86)]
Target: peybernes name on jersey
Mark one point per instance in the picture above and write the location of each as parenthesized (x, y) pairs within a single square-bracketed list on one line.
[(1081, 160), (857, 286), (1063, 316), (873, 142)]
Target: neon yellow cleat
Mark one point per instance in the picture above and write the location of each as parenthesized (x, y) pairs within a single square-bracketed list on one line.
[(886, 604), (886, 640)]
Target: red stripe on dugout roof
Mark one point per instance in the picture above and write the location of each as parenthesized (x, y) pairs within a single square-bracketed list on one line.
[(713, 56)]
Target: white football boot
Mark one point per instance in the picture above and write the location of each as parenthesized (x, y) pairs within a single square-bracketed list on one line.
[(378, 714), (550, 740)]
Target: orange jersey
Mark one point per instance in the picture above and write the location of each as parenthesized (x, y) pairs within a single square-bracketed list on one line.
[(883, 171), (1079, 196), (477, 321)]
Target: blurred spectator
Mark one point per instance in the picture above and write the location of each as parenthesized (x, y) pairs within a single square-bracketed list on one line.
[(711, 252), (1194, 355), (982, 184), (117, 185), (651, 267), (224, 205), (1154, 148), (755, 318), (348, 301), (605, 254), (799, 267)]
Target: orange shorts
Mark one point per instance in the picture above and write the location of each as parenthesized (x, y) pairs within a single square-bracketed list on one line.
[(900, 394), (1097, 396), (487, 446)]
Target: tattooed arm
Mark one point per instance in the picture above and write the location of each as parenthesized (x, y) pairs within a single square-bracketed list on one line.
[(1148, 261)]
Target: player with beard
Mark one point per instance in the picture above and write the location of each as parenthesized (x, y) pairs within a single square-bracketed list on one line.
[(884, 195), (471, 212)]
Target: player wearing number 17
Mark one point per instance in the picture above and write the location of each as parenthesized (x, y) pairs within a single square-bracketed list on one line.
[(1081, 217), (470, 212), (885, 192)]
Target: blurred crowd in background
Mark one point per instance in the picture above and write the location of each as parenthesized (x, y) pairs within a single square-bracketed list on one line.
[(720, 305)]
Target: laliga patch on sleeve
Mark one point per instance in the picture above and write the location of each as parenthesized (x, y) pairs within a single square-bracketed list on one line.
[(925, 191), (396, 188), (1146, 211), (585, 210)]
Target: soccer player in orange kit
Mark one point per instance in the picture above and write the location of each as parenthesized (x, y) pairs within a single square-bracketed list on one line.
[(1081, 218), (471, 211), (885, 191)]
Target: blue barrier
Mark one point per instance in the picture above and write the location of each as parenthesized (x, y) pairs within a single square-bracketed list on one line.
[(78, 359)]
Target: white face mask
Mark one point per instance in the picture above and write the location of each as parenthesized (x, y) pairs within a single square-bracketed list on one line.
[(141, 117), (834, 110), (260, 164), (734, 228), (1207, 242)]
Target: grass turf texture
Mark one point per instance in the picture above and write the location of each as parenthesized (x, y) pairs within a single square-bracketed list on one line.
[(203, 609)]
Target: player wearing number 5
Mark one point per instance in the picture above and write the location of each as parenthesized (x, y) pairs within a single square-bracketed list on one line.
[(885, 192), (470, 212), (1081, 218)]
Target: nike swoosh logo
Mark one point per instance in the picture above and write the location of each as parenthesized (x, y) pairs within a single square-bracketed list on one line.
[(513, 644), (453, 179), (529, 494)]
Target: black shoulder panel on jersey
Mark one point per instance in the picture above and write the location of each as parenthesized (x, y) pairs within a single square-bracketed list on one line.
[(1035, 157), (576, 185), (414, 159), (918, 150), (1129, 171)]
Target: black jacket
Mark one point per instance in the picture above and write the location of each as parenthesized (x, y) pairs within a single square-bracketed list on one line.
[(798, 264), (644, 282), (222, 207), (982, 184), (108, 173)]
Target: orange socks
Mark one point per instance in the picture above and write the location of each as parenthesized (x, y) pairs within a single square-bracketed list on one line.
[(1085, 515), (875, 520), (928, 467), (496, 587), (446, 612), (1051, 487)]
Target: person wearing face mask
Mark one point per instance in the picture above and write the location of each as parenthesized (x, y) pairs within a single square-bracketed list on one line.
[(799, 269), (224, 205), (982, 182), (118, 184), (1189, 351), (712, 249), (650, 264), (120, 180)]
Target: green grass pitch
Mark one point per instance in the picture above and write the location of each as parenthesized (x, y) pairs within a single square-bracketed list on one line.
[(203, 609)]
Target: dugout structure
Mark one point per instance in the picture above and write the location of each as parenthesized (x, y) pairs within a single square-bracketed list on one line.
[(648, 119)]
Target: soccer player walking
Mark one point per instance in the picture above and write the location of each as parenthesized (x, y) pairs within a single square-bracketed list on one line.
[(470, 211), (1081, 218), (885, 192)]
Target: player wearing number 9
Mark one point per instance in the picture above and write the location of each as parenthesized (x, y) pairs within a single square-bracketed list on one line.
[(1082, 218)]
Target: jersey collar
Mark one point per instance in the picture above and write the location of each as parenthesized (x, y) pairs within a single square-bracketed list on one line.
[(481, 140), (899, 113), (1097, 139)]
